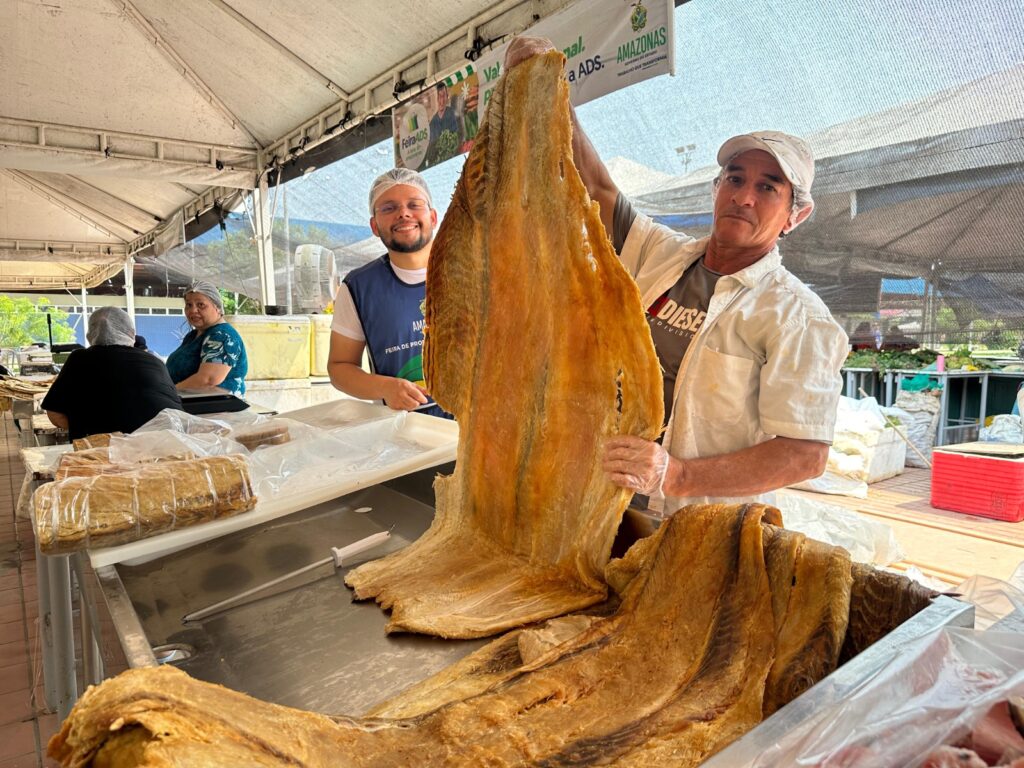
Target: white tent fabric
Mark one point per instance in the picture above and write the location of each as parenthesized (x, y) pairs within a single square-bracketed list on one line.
[(938, 179), (115, 114)]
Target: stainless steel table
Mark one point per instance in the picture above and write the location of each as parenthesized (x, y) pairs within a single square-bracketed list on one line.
[(59, 575), (305, 644)]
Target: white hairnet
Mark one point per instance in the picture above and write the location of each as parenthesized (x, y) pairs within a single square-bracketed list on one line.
[(110, 326), (209, 290), (793, 154), (393, 178)]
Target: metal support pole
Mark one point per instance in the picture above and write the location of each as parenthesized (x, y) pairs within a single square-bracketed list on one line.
[(287, 248), (45, 628), (129, 287), (66, 685), (264, 243), (92, 659), (963, 407), (983, 405), (85, 315), (940, 434)]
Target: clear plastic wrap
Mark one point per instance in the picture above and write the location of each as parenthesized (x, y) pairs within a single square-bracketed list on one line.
[(171, 420), (23, 507), (933, 692), (101, 440), (105, 509), (867, 540), (40, 462), (993, 599), (168, 444), (290, 462), (316, 458)]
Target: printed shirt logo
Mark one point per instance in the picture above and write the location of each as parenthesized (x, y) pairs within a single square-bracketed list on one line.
[(678, 320), (638, 18)]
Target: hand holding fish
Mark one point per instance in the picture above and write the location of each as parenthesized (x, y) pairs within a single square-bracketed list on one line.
[(634, 463)]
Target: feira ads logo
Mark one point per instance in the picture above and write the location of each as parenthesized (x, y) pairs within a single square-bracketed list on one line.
[(638, 18), (413, 135)]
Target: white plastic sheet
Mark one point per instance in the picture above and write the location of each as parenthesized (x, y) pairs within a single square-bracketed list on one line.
[(931, 693), (867, 541), (993, 599)]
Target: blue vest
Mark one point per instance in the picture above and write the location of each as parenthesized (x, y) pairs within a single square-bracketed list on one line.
[(391, 313)]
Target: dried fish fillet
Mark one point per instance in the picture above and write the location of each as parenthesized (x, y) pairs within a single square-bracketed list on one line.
[(536, 341), (675, 674)]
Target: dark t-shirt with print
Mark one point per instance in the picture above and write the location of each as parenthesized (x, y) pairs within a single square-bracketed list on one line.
[(678, 313)]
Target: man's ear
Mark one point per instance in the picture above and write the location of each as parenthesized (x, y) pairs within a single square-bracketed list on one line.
[(373, 226), (798, 218), (433, 218)]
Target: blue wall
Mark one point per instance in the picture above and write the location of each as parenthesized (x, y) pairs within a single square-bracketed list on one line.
[(163, 332)]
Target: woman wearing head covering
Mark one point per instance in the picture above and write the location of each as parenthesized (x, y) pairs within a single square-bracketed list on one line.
[(109, 386), (212, 353)]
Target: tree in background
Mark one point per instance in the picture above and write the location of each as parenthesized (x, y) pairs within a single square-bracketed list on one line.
[(232, 257), (23, 322), (240, 304)]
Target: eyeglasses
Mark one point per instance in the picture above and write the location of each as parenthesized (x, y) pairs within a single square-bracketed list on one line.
[(416, 205)]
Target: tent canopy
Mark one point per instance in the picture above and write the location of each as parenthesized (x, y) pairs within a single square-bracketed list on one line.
[(116, 115), (940, 179), (933, 188)]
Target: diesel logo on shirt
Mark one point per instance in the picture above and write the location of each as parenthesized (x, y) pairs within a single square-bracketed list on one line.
[(666, 313)]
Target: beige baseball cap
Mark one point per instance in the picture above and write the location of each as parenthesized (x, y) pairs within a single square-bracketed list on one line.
[(393, 178), (792, 153)]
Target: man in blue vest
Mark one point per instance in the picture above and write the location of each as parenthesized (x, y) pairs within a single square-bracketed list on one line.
[(379, 306)]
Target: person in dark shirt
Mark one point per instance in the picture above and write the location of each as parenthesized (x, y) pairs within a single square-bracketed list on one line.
[(897, 341), (110, 386), (445, 120)]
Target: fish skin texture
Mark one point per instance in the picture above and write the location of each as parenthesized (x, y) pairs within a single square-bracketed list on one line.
[(537, 342), (677, 672)]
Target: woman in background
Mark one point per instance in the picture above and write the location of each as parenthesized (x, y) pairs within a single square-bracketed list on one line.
[(110, 386), (212, 353)]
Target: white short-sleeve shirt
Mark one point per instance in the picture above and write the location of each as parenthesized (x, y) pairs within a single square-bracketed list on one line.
[(346, 319), (765, 363)]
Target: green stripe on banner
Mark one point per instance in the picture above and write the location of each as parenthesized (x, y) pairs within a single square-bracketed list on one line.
[(458, 76)]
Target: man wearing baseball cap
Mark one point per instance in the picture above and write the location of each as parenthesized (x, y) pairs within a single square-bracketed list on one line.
[(750, 355), (379, 306)]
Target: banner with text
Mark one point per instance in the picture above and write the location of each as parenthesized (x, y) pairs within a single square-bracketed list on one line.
[(608, 44)]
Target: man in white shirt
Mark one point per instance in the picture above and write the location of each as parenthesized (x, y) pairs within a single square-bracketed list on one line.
[(379, 306), (751, 356)]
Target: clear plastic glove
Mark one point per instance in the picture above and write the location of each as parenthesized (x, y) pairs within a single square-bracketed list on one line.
[(634, 463)]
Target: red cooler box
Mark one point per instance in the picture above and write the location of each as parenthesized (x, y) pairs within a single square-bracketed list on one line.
[(984, 479)]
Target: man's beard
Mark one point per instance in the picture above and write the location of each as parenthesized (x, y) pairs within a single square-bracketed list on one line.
[(418, 244)]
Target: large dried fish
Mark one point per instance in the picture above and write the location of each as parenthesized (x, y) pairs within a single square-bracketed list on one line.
[(536, 341), (680, 670)]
